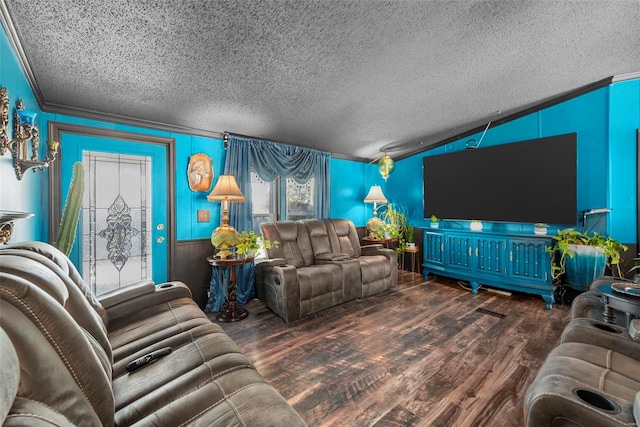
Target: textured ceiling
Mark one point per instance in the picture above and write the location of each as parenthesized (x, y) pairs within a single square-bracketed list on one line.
[(348, 77)]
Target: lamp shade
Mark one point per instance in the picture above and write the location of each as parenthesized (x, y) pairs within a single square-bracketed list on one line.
[(226, 189), (375, 195), (386, 165)]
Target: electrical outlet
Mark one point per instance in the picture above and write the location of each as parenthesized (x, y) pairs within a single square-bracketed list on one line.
[(203, 215)]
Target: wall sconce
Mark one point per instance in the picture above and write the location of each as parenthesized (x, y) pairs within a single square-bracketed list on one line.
[(386, 165), (375, 196), (225, 237), (24, 131)]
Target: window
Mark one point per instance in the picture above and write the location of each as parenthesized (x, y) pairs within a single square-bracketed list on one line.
[(281, 199)]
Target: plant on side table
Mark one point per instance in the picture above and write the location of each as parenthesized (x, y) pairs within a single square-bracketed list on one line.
[(409, 234), (249, 243), (394, 227), (582, 257)]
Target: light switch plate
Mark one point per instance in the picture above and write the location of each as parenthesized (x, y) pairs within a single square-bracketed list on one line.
[(203, 215)]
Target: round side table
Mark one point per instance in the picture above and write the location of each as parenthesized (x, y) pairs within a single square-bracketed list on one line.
[(226, 271), (630, 305)]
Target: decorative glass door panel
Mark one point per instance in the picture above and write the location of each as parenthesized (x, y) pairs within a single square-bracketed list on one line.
[(116, 220), (122, 231)]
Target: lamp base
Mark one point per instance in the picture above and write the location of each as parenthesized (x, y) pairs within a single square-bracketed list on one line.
[(224, 238), (374, 224)]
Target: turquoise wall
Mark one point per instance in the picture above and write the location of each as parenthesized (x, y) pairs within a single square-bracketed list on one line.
[(624, 122), (25, 195), (606, 122), (347, 190)]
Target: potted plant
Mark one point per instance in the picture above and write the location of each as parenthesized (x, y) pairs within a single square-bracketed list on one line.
[(434, 221), (540, 228), (476, 225), (409, 234), (249, 244), (395, 224), (582, 257)]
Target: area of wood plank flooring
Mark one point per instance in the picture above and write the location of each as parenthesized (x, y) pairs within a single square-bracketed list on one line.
[(421, 354)]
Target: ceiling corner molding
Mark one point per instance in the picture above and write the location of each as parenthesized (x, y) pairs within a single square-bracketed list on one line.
[(118, 119), (339, 156), (627, 76), (10, 29)]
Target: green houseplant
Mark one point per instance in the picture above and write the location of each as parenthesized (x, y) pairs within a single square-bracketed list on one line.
[(71, 213), (395, 224), (540, 228), (434, 221), (409, 234), (249, 243), (581, 257)]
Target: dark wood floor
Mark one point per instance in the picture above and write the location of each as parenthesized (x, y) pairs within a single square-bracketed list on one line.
[(421, 354)]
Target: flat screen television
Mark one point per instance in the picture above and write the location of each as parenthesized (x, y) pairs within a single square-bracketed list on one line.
[(529, 181)]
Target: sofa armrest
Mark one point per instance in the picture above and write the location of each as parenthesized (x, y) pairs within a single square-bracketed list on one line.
[(601, 334), (128, 292), (273, 262), (277, 286), (139, 296), (378, 249)]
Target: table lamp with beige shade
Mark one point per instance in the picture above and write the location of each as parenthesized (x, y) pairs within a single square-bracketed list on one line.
[(225, 237)]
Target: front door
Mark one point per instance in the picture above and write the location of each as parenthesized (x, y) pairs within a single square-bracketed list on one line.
[(122, 232)]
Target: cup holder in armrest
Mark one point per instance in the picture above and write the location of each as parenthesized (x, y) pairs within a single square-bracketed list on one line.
[(167, 285), (607, 328), (596, 400)]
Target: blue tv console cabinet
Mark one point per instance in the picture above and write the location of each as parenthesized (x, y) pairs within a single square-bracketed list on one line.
[(508, 261)]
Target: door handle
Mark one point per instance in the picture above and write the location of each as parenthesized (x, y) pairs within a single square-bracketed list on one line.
[(160, 239)]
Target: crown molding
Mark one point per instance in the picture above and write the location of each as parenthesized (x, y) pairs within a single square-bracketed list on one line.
[(627, 76), (118, 119), (12, 35)]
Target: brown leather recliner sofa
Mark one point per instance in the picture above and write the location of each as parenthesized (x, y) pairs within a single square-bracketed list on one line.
[(319, 264), (592, 378), (64, 354)]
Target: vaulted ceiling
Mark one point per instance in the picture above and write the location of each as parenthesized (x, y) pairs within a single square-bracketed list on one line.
[(351, 77)]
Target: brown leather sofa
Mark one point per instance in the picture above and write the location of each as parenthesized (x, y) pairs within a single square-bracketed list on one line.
[(319, 264), (592, 378), (64, 354)]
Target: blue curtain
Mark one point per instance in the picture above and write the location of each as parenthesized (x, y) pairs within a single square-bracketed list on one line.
[(269, 160)]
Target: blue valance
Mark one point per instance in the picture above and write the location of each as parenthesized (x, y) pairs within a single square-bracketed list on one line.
[(270, 160)]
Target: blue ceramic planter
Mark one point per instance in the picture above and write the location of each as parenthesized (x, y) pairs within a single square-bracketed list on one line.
[(587, 264)]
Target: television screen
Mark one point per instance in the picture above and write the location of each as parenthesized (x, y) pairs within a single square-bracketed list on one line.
[(529, 181)]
